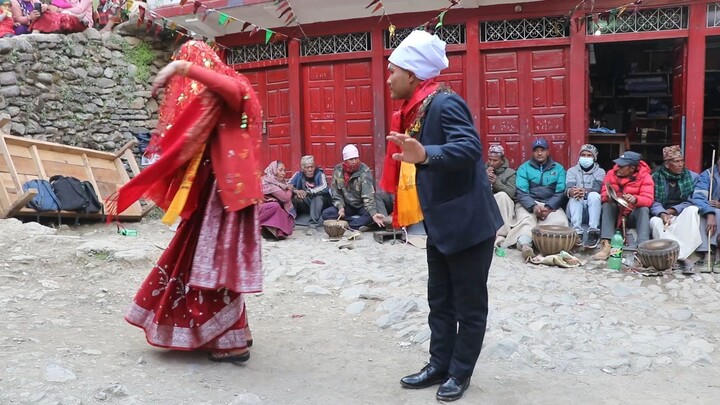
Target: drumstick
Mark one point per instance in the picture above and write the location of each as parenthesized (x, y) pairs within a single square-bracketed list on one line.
[(712, 174)]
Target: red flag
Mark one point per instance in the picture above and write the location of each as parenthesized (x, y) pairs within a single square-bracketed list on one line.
[(373, 2), (254, 30), (178, 36), (290, 16), (378, 7), (182, 2), (158, 30), (283, 5), (196, 7), (245, 26)]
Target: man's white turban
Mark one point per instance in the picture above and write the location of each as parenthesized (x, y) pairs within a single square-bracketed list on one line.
[(421, 53)]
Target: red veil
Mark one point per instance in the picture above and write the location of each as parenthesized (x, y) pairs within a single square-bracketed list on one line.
[(189, 115)]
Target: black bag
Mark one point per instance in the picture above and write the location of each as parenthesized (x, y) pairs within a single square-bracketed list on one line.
[(75, 195), (94, 204)]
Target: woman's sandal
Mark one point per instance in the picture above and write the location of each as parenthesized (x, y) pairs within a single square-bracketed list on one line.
[(226, 357)]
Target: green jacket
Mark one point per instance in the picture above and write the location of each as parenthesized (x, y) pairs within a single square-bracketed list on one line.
[(505, 179), (360, 193)]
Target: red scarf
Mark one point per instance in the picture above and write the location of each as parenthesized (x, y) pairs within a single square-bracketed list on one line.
[(401, 121), (348, 170)]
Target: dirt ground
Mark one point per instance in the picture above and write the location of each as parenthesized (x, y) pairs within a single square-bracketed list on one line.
[(63, 339)]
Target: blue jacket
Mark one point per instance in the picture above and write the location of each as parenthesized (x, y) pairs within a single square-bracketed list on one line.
[(542, 183), (702, 186), (321, 187), (454, 192), (657, 208)]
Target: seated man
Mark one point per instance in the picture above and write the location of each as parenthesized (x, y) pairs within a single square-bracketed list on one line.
[(584, 182), (709, 208), (673, 215), (631, 180), (353, 194), (311, 194), (502, 178), (540, 193)]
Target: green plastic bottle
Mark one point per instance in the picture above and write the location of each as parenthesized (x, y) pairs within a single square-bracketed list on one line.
[(616, 250)]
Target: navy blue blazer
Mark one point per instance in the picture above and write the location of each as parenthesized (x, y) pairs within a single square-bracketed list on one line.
[(454, 192)]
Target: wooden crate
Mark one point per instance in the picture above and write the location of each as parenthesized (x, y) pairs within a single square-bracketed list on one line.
[(24, 159)]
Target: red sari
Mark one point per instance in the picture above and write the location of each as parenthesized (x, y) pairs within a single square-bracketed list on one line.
[(193, 298), (60, 23)]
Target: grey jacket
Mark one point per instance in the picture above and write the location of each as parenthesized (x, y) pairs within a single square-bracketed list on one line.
[(591, 180), (505, 180)]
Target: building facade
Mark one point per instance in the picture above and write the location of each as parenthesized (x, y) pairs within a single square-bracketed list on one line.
[(650, 74)]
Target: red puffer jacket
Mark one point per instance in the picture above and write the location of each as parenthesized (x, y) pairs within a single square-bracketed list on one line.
[(640, 185)]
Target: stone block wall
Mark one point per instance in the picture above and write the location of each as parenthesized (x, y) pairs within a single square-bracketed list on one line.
[(87, 89)]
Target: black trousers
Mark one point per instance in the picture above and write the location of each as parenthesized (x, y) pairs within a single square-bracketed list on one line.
[(457, 295)]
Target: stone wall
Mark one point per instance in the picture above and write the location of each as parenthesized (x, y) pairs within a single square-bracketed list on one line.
[(88, 89)]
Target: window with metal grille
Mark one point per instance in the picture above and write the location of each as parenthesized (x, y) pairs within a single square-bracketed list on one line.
[(257, 52), (713, 15), (657, 19), (451, 34), (333, 44), (528, 28)]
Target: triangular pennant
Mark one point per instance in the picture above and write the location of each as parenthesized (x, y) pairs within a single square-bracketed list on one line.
[(196, 7), (205, 15), (291, 20), (287, 10), (268, 35), (391, 30), (245, 26), (223, 19), (440, 19), (371, 3), (378, 7), (183, 2), (282, 6), (291, 16), (255, 30)]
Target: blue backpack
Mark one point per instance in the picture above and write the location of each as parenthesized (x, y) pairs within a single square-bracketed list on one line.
[(45, 200)]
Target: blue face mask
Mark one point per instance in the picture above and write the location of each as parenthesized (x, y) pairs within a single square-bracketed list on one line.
[(586, 162)]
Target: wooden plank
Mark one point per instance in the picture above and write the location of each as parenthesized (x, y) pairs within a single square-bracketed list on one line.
[(25, 166), (19, 204), (9, 162), (54, 168), (38, 162), (107, 176), (89, 172), (129, 145), (97, 163), (63, 158), (43, 145), (128, 155)]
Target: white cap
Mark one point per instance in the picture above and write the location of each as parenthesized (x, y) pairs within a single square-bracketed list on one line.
[(350, 152), (421, 53)]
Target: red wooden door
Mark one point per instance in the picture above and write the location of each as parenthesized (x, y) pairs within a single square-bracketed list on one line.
[(678, 91), (525, 96), (272, 87), (338, 111)]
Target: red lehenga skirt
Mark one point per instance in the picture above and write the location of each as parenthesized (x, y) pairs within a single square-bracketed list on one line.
[(193, 297)]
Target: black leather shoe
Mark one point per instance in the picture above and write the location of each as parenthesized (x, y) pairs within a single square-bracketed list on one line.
[(427, 377), (452, 389)]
